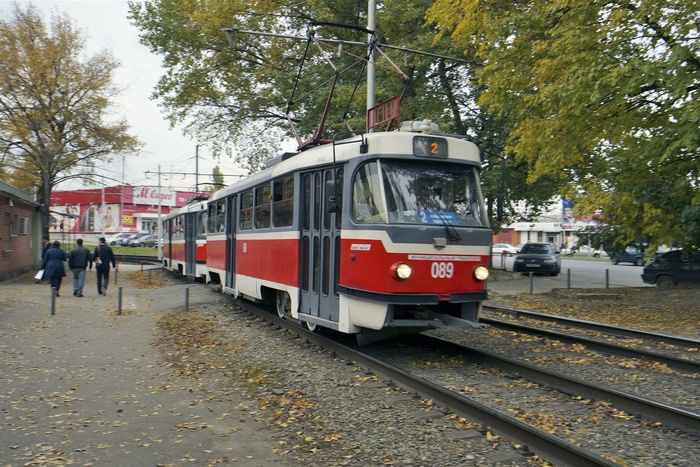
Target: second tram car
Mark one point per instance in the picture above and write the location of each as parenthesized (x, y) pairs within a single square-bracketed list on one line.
[(375, 235), (185, 241)]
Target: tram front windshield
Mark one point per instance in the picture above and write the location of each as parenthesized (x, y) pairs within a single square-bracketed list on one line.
[(400, 192)]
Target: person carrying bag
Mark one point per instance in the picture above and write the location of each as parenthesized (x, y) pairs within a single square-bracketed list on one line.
[(102, 258)]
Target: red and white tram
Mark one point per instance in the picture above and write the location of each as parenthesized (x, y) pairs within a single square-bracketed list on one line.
[(185, 240), (375, 235)]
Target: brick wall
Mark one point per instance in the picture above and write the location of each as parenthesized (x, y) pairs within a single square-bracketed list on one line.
[(17, 229)]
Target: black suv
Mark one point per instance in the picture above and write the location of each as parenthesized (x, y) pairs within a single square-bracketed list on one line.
[(673, 268)]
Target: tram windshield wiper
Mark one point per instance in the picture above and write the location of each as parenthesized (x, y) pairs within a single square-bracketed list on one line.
[(451, 231)]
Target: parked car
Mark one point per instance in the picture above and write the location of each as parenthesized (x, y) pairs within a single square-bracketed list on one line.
[(632, 255), (125, 241), (146, 240), (116, 239), (673, 268), (538, 258), (499, 248), (588, 251)]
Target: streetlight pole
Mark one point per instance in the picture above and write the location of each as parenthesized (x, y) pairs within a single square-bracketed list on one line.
[(160, 222)]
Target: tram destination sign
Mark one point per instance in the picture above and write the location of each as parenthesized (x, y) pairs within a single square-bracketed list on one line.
[(429, 146)]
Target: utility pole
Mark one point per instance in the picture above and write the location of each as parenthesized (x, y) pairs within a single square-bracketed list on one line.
[(371, 25), (103, 211), (160, 222), (196, 169)]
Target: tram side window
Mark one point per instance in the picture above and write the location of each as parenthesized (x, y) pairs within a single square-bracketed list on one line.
[(211, 221), (366, 206), (246, 217), (262, 207), (283, 202), (339, 200), (307, 202), (202, 224), (178, 228), (221, 216)]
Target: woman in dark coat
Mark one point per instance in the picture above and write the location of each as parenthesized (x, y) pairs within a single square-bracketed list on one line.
[(53, 265)]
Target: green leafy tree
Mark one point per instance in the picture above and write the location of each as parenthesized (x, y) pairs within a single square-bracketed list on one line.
[(237, 97), (602, 95), (53, 105)]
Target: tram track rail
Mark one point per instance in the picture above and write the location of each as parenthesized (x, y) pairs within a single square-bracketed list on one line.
[(138, 259), (639, 406), (598, 327), (679, 364), (548, 446)]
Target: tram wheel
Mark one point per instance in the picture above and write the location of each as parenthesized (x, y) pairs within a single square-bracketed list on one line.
[(313, 327), (284, 304)]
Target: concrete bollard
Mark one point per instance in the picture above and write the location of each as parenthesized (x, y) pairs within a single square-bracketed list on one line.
[(119, 301), (532, 282), (53, 301), (187, 299)]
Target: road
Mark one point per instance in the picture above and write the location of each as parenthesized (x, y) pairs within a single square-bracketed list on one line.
[(576, 273), (593, 274)]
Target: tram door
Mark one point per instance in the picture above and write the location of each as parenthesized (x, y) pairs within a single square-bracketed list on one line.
[(190, 244), (320, 246), (167, 237), (230, 280)]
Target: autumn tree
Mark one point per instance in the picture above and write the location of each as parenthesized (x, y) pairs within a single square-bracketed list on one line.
[(237, 97), (55, 120), (600, 94)]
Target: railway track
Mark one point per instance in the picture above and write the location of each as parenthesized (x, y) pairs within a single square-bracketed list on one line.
[(550, 447), (138, 259), (680, 364), (642, 406), (597, 327), (544, 444)]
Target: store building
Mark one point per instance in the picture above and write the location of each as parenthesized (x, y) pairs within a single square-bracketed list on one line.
[(558, 225), (20, 231), (103, 211)]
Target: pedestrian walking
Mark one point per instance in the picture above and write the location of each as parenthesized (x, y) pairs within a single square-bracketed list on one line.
[(79, 259), (53, 265), (45, 246), (102, 258)]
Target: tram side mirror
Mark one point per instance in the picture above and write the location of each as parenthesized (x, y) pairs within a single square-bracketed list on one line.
[(332, 196)]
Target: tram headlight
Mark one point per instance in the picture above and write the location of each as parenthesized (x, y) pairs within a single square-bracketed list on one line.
[(402, 271), (481, 273)]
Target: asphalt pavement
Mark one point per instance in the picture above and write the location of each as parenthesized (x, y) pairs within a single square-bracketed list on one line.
[(86, 385)]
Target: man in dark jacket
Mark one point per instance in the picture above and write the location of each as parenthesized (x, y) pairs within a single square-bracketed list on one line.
[(78, 260), (103, 252), (53, 265)]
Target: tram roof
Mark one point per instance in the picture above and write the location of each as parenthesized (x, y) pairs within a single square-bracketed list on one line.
[(396, 143), (190, 207)]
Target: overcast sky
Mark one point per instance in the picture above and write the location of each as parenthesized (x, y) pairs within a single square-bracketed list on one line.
[(105, 25)]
